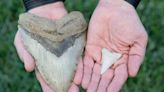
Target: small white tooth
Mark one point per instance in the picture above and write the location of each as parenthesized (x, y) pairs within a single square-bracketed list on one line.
[(108, 59)]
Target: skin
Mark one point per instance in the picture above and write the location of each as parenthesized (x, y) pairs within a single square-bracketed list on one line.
[(114, 25)]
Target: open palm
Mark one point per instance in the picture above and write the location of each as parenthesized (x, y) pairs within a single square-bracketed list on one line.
[(114, 25)]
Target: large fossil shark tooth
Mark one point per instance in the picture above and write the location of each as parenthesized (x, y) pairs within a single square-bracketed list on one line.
[(55, 45)]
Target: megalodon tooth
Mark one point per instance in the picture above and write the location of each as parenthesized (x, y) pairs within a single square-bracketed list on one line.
[(56, 46)]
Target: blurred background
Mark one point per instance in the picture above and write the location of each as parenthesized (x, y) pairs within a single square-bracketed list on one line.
[(14, 78)]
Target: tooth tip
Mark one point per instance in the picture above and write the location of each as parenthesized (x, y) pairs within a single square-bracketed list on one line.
[(102, 71)]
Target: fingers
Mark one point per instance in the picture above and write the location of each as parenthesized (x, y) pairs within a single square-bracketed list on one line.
[(137, 53), (119, 79), (105, 80), (93, 85), (78, 78), (79, 73), (73, 88), (136, 56), (23, 54), (43, 84), (88, 65), (134, 64)]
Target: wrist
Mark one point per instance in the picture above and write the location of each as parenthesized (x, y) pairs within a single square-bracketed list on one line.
[(133, 3), (115, 5), (52, 11), (30, 4)]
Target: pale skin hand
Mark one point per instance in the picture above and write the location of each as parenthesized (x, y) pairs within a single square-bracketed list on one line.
[(114, 25), (109, 27), (52, 11)]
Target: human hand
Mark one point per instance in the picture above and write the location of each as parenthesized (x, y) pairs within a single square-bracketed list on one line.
[(44, 11), (116, 26)]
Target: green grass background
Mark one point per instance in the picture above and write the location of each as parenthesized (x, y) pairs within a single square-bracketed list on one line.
[(14, 78)]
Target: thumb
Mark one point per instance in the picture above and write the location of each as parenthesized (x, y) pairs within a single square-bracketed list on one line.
[(136, 55)]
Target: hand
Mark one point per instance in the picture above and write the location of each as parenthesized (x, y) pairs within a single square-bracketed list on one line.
[(52, 11), (116, 26)]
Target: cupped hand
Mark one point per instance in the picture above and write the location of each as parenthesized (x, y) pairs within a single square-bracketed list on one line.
[(116, 26), (52, 11)]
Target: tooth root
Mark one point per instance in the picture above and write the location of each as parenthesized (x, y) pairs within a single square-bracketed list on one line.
[(108, 59), (55, 30)]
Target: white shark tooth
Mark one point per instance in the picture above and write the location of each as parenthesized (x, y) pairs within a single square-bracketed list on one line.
[(108, 59), (55, 45)]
